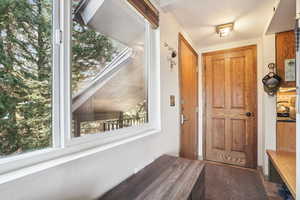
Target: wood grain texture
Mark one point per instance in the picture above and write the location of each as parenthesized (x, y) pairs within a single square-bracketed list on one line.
[(167, 178), (230, 93), (285, 49), (218, 133), (286, 136), (188, 76), (238, 129), (218, 71), (148, 10), (237, 82), (285, 164)]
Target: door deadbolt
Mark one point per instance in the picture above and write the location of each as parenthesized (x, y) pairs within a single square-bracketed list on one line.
[(248, 114)]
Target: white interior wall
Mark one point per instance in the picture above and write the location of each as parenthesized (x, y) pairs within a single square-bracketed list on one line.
[(89, 177), (269, 103), (266, 119)]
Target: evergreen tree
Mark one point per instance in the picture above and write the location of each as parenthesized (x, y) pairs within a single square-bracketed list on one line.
[(25, 71), (91, 52)]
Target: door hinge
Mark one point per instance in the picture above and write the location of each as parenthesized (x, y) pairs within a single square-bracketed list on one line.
[(197, 69), (58, 36)]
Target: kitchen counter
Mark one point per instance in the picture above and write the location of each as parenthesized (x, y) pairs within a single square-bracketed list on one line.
[(285, 165), (285, 119)]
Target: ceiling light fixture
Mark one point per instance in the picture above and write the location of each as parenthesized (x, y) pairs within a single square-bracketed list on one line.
[(224, 29)]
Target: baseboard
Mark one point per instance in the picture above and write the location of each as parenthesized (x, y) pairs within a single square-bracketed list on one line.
[(200, 157), (262, 175)]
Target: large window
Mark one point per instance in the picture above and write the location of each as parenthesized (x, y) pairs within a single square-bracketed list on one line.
[(25, 75), (75, 75), (109, 72)]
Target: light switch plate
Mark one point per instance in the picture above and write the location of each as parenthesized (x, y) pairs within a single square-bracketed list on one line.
[(172, 100)]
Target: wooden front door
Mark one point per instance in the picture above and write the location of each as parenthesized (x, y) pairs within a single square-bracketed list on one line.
[(189, 99), (231, 110)]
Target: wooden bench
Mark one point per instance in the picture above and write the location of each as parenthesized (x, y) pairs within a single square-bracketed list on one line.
[(166, 178), (283, 167)]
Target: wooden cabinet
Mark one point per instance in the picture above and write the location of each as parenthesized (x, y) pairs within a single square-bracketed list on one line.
[(285, 49), (286, 136)]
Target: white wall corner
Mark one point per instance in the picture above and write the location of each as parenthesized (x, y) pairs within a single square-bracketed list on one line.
[(269, 103)]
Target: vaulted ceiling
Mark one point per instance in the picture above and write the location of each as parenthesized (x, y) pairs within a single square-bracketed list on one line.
[(200, 17)]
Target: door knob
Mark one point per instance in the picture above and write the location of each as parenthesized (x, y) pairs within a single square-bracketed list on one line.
[(248, 114)]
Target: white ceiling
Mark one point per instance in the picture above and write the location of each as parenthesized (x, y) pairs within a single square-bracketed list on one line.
[(199, 18)]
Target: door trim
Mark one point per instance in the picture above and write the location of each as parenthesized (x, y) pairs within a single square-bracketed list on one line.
[(181, 38), (203, 70)]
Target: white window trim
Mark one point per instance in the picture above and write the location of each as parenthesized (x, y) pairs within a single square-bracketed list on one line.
[(54, 157), (64, 148)]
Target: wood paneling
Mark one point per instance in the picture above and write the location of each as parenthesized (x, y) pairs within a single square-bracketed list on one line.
[(285, 49), (148, 10), (218, 133), (230, 134), (237, 82), (218, 68), (188, 76), (285, 164), (286, 136), (166, 178), (238, 132)]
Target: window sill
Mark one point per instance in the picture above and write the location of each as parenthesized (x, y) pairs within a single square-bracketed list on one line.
[(49, 158)]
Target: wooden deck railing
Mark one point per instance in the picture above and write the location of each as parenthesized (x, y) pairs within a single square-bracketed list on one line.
[(117, 124)]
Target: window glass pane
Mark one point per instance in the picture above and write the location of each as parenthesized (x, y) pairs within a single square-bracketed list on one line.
[(109, 74), (25, 75)]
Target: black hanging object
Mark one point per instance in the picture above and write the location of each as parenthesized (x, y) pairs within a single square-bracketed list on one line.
[(271, 81), (174, 54)]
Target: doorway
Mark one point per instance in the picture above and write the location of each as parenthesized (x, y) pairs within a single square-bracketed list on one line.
[(230, 106), (188, 76)]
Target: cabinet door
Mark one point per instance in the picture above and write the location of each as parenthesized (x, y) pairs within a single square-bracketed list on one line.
[(285, 49), (286, 136)]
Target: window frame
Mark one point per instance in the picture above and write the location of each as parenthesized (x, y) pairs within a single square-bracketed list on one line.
[(67, 93), (65, 148)]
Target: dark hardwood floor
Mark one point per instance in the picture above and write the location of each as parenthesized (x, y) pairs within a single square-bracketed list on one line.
[(224, 182), (272, 190)]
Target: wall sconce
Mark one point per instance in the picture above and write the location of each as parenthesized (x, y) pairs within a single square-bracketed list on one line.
[(224, 29), (172, 56)]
